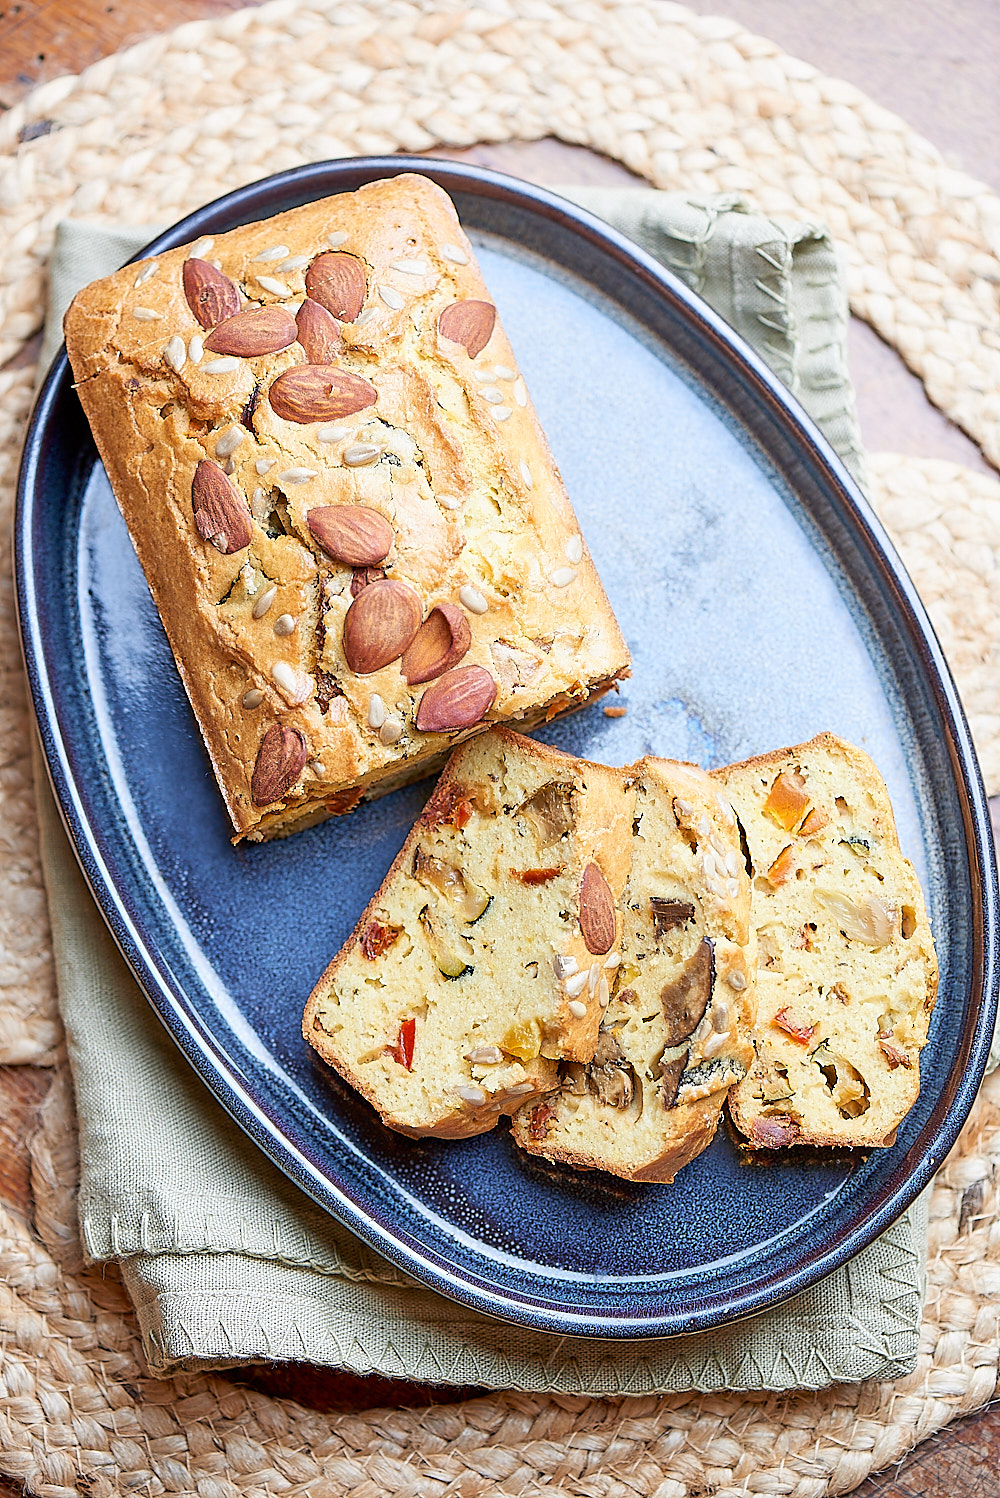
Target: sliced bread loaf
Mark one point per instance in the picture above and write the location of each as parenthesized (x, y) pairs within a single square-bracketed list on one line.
[(847, 975), (479, 963), (675, 1036)]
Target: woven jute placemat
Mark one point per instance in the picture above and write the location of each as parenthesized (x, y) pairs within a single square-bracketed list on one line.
[(688, 102)]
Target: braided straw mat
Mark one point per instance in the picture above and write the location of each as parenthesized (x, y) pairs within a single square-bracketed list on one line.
[(687, 102)]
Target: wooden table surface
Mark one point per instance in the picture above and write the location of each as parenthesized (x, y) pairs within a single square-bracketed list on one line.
[(934, 62)]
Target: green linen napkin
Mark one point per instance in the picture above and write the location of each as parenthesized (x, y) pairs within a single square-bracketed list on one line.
[(225, 1259)]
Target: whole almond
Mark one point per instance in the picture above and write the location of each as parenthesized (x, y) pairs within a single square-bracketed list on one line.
[(337, 281), (469, 323), (351, 533), (281, 759), (597, 912), (379, 625), (220, 513), (440, 643), (319, 392), (318, 332), (253, 332), (459, 699), (211, 296), (363, 577)]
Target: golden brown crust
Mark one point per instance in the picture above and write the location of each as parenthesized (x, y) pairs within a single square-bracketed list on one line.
[(463, 474)]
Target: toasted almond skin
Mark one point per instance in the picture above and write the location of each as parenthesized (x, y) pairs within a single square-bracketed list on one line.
[(281, 759), (363, 576), (469, 323), (211, 296), (337, 281), (597, 912), (318, 332), (351, 533), (379, 625), (253, 332), (218, 509), (459, 699), (440, 643), (319, 392)]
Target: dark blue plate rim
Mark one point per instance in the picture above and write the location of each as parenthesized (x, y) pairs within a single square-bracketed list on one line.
[(249, 1107)]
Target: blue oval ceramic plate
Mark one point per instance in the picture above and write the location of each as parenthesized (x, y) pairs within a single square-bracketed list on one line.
[(762, 604)]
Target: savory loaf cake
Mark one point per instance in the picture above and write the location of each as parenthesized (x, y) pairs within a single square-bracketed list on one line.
[(675, 1035), (847, 975), (346, 510), (486, 954)]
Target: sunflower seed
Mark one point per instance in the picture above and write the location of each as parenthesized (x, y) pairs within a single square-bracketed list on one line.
[(562, 577), (225, 365), (264, 602), (361, 453), (613, 961), (296, 475), (577, 1008), (732, 888), (410, 267), (259, 505), (332, 433), (603, 993), (148, 273), (337, 238), (295, 263), (391, 731), (472, 599), (147, 314), (264, 465), (392, 297), (732, 864), (565, 967), (284, 624), (492, 394), (276, 288), (485, 1055), (576, 984), (229, 441), (200, 248), (474, 1095), (483, 374), (502, 412), (196, 348), (376, 711), (573, 548), (253, 698), (450, 501), (454, 253), (520, 393), (316, 766), (288, 678), (529, 482), (175, 353), (594, 976), (276, 252), (504, 372), (713, 1045), (365, 316)]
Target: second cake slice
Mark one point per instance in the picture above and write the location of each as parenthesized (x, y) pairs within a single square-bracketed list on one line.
[(676, 1033)]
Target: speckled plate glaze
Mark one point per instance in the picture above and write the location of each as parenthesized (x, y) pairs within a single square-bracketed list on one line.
[(762, 603)]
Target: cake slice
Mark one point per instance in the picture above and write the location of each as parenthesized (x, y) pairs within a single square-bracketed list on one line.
[(675, 1035), (345, 508), (847, 975), (484, 958)]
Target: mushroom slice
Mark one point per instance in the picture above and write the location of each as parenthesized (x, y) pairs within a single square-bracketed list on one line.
[(551, 811), (468, 900), (687, 997), (669, 913), (609, 1076), (670, 1076)]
